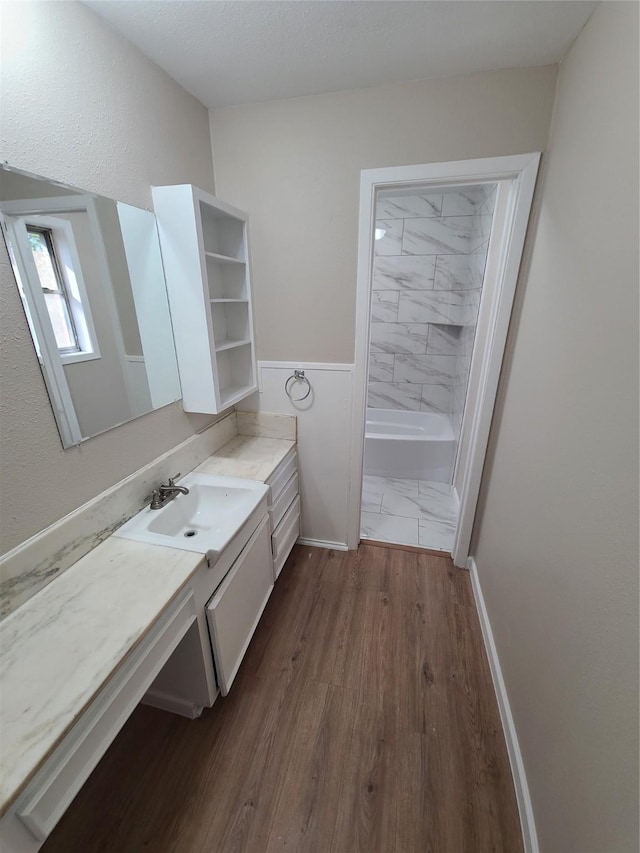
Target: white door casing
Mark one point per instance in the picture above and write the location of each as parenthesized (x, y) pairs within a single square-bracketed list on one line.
[(516, 178)]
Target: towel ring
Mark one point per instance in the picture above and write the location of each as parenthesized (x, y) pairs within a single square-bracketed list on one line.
[(297, 375)]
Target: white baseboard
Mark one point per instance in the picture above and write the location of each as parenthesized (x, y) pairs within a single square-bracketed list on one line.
[(165, 702), (321, 543), (527, 822)]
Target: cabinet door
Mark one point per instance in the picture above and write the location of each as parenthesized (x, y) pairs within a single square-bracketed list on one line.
[(234, 611)]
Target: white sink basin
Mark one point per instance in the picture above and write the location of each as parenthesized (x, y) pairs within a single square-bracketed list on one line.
[(204, 521)]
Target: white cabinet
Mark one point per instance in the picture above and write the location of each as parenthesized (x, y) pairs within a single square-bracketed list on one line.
[(234, 611), (285, 536), (205, 251), (171, 668), (284, 510), (188, 683), (41, 805)]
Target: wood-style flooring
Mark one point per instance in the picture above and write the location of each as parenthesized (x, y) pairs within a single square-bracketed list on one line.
[(362, 719)]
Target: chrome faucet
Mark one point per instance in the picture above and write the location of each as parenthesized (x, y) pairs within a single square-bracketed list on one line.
[(165, 493)]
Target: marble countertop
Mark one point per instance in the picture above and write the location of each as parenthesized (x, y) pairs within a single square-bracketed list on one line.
[(250, 457), (61, 646)]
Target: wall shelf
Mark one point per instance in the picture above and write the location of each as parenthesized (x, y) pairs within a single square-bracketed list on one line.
[(223, 259), (234, 393), (231, 345), (205, 248)]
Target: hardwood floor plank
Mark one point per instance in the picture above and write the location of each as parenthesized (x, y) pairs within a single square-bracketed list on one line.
[(312, 615), (478, 718), (365, 816), (370, 568), (290, 604), (363, 718), (248, 822), (309, 800)]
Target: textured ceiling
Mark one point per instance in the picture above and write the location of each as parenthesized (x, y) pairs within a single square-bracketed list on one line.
[(237, 52)]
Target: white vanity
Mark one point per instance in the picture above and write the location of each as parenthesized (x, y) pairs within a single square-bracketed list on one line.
[(135, 620), (162, 610)]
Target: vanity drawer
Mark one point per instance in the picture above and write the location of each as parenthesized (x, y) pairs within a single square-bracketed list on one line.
[(289, 538), (281, 476), (283, 501), (234, 611), (49, 794), (282, 534)]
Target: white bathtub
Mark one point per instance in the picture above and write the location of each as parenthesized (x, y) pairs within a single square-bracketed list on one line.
[(416, 445)]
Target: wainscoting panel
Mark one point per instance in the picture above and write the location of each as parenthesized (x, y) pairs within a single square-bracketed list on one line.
[(324, 440)]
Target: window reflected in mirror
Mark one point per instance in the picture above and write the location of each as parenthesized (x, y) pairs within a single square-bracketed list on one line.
[(59, 284)]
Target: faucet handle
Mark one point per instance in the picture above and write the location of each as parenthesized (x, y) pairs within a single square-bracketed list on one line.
[(156, 499), (172, 480)]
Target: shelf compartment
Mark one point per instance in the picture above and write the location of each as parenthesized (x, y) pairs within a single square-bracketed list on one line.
[(222, 233), (230, 323), (236, 393), (207, 265), (226, 280), (231, 345), (235, 374), (223, 259)]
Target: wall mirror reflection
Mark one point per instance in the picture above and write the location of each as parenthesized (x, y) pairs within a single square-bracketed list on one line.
[(90, 275)]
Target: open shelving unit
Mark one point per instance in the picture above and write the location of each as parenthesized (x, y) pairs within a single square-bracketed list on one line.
[(205, 249)]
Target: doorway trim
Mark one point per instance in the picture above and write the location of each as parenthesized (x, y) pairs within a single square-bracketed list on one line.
[(516, 177)]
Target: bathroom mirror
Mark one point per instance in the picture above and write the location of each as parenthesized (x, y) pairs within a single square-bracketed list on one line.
[(90, 276)]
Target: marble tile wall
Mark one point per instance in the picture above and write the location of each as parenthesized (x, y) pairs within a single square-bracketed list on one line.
[(430, 253), (483, 217)]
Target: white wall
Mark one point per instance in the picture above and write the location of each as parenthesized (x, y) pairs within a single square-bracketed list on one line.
[(108, 119), (294, 166), (81, 105), (324, 430), (556, 541)]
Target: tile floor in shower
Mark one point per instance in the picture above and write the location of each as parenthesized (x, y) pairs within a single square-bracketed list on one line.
[(408, 512)]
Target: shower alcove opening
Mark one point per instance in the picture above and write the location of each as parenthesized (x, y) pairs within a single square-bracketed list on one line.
[(438, 255), (430, 251)]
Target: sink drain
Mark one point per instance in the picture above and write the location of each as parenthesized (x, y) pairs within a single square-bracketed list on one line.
[(190, 533)]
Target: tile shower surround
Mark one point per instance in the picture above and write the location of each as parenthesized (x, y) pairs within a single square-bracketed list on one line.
[(427, 280)]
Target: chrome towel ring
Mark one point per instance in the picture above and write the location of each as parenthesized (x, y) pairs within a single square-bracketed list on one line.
[(298, 375)]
